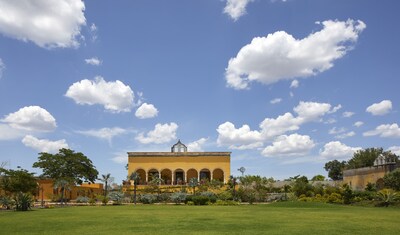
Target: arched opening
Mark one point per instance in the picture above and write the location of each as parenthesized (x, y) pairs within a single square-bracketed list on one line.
[(191, 173), (205, 175), (166, 176), (218, 174), (152, 173), (142, 175), (179, 176)]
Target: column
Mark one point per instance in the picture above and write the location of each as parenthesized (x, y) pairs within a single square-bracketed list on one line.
[(185, 175), (211, 175), (173, 177), (147, 176)]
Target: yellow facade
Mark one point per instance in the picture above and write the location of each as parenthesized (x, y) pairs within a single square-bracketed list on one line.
[(178, 167), (359, 178), (47, 192)]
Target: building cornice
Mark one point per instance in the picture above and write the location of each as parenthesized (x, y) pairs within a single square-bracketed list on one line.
[(179, 154)]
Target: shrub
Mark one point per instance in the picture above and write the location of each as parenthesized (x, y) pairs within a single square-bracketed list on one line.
[(335, 198), (225, 196), (226, 203), (210, 195), (6, 202), (82, 199), (148, 198), (304, 198), (23, 201), (347, 194), (200, 200), (116, 197), (178, 197), (92, 201), (386, 197)]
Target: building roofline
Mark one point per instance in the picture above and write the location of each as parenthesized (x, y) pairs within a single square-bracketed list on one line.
[(175, 154)]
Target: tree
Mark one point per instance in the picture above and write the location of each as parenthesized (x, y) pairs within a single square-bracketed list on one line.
[(63, 185), (193, 182), (301, 186), (17, 181), (318, 178), (392, 180), (72, 166), (135, 177), (366, 157), (106, 179), (335, 169)]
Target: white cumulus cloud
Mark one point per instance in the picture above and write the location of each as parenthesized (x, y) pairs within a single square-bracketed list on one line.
[(197, 146), (44, 145), (347, 114), (276, 101), (146, 111), (395, 150), (358, 124), (162, 133), (236, 8), (31, 118), (294, 84), (245, 138), (279, 56), (104, 133), (115, 96), (385, 130), (47, 23), (345, 135), (238, 138), (337, 150), (93, 61), (381, 108), (292, 145)]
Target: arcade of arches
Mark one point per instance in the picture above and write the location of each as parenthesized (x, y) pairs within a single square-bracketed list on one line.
[(179, 176), (179, 166)]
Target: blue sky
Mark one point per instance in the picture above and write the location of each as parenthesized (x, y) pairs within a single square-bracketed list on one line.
[(285, 85)]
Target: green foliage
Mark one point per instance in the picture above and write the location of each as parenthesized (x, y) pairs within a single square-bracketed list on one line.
[(178, 197), (116, 197), (335, 198), (392, 180), (15, 181), (302, 186), (335, 169), (6, 202), (347, 194), (82, 199), (387, 197), (211, 196), (148, 198), (225, 196), (318, 178), (371, 187), (366, 157), (193, 183), (106, 179), (23, 201), (226, 203), (67, 164), (200, 200)]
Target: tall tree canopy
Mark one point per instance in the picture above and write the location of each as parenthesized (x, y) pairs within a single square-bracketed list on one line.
[(68, 165), (366, 157), (17, 181), (335, 169)]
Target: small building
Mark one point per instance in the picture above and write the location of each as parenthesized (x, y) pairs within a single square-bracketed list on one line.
[(47, 192), (359, 178), (179, 165)]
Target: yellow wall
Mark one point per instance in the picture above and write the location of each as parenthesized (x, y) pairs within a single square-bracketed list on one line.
[(47, 190), (180, 160), (359, 178)]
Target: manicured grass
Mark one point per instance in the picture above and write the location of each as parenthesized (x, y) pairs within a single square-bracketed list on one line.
[(276, 218)]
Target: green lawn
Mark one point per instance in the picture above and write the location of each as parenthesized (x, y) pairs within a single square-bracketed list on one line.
[(276, 218)]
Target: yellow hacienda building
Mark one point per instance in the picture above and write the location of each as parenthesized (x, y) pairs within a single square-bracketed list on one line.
[(179, 165)]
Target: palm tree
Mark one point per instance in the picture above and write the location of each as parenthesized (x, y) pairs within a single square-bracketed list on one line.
[(106, 179), (193, 182), (135, 177), (63, 185)]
